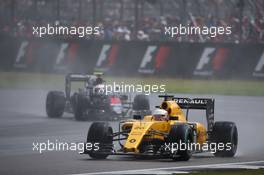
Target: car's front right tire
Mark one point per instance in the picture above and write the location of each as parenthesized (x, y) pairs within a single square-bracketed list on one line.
[(79, 103), (180, 133), (225, 132)]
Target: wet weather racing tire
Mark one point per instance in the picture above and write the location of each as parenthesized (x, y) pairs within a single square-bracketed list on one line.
[(79, 103), (55, 104), (141, 102), (225, 133), (102, 134), (180, 133)]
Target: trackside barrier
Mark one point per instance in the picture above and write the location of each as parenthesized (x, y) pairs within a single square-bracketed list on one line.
[(180, 60)]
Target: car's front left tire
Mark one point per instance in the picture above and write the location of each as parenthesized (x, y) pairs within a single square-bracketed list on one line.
[(55, 104), (100, 133)]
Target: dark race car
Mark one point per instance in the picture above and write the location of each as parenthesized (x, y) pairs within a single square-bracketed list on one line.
[(89, 103)]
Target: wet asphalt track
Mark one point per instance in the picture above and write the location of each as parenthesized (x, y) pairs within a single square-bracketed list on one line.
[(23, 121)]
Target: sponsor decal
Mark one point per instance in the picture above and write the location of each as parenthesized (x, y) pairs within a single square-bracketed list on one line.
[(136, 133), (23, 58), (107, 57), (212, 60), (259, 69), (190, 101), (66, 56), (61, 56), (154, 59), (140, 127), (132, 140)]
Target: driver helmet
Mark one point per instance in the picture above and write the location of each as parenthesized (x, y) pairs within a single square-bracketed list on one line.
[(160, 114), (99, 89), (98, 80)]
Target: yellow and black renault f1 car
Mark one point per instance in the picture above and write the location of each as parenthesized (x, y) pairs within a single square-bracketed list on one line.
[(173, 137)]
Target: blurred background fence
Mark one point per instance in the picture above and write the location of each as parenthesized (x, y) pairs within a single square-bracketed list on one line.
[(137, 19)]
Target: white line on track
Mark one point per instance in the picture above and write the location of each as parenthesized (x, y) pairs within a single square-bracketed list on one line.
[(155, 170)]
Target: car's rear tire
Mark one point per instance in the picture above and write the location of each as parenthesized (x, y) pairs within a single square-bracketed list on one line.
[(79, 103), (101, 133), (225, 132), (55, 104), (141, 102), (180, 133)]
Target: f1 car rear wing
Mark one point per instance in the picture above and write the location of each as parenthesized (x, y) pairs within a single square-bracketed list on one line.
[(206, 104), (74, 77)]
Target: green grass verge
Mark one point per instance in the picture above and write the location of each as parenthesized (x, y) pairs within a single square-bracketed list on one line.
[(221, 87), (230, 172)]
